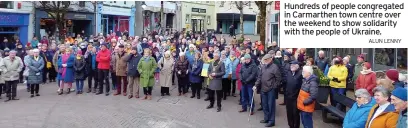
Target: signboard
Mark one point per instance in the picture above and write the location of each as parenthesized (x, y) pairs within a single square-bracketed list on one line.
[(195, 10), (203, 11), (79, 16), (277, 5), (11, 19)]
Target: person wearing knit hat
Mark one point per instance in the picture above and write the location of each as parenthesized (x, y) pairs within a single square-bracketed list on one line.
[(133, 74), (79, 67), (393, 75), (367, 79), (358, 67), (399, 100)]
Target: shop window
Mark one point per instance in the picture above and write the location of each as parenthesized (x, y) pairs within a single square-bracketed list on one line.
[(7, 4), (384, 58), (402, 59), (187, 18)]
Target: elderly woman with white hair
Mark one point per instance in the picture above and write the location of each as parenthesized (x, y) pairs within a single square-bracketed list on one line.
[(35, 64), (357, 116), (165, 65), (383, 113), (195, 77), (307, 96), (10, 68), (182, 73)]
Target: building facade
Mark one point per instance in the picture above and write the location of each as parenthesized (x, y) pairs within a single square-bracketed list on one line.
[(151, 16), (272, 23), (16, 20), (80, 17), (228, 14), (198, 16), (115, 16)]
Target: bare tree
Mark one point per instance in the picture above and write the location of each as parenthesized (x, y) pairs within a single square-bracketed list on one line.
[(262, 5), (57, 10)]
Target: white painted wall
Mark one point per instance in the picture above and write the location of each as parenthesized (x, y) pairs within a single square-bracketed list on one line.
[(117, 7), (230, 7)]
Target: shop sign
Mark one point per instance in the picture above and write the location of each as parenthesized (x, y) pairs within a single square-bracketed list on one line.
[(203, 11), (277, 5), (195, 10), (79, 16), (11, 19)]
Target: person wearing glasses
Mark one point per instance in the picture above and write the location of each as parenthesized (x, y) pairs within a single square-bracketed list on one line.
[(358, 114)]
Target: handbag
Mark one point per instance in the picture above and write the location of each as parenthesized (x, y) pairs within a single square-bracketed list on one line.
[(48, 64)]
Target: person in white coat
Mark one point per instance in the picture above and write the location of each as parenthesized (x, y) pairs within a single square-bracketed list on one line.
[(11, 67), (166, 66)]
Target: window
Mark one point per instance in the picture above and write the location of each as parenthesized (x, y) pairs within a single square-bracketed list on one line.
[(208, 20), (384, 58), (114, 1), (187, 18), (124, 2), (7, 4), (81, 3)]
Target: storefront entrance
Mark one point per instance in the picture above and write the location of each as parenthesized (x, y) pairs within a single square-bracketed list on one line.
[(198, 25), (13, 26)]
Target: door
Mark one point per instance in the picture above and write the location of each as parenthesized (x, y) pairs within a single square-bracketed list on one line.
[(275, 33), (194, 25)]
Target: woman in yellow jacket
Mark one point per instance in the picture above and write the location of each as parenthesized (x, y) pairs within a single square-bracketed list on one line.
[(338, 76), (383, 113)]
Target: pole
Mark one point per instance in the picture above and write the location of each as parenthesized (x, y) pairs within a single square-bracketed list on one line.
[(161, 17), (252, 104)]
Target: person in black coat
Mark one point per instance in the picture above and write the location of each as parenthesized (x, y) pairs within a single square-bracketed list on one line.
[(133, 74), (79, 67), (91, 68), (293, 78)]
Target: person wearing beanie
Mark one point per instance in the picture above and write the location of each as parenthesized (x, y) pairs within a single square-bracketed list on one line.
[(358, 67), (121, 67), (133, 74), (79, 67), (393, 75), (216, 71), (103, 58), (367, 79), (248, 73), (399, 100), (338, 75), (383, 113), (166, 66)]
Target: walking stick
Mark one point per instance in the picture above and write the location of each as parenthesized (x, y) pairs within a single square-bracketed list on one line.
[(252, 104)]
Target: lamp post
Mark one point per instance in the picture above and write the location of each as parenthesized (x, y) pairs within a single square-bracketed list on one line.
[(143, 13)]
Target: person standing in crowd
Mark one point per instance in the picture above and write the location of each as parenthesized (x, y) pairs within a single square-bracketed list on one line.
[(79, 67), (268, 81), (91, 68), (66, 70), (382, 114), (239, 83), (322, 62), (338, 75), (357, 116), (226, 79), (55, 59), (285, 68), (195, 77), (216, 71), (166, 66), (206, 60), (399, 100), (346, 62), (367, 79), (133, 74), (10, 68), (358, 67), (21, 53), (248, 74), (112, 67), (182, 73), (121, 67), (307, 97), (146, 67), (2, 82), (393, 75), (231, 30), (234, 59), (293, 81), (44, 40), (44, 57), (34, 42), (35, 64), (103, 58)]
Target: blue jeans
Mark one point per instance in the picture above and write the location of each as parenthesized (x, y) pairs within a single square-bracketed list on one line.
[(340, 91), (307, 119), (269, 105), (247, 93), (79, 85)]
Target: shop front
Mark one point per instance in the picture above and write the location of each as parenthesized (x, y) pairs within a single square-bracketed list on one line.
[(225, 20), (14, 25), (113, 19), (74, 23), (274, 28)]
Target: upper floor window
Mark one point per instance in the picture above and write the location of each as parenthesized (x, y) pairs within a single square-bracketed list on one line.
[(81, 3), (7, 4), (124, 2), (114, 1)]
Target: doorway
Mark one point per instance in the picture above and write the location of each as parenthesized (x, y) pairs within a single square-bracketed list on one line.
[(79, 25), (275, 33), (198, 25)]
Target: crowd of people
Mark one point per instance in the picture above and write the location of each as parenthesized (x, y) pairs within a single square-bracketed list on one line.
[(200, 61)]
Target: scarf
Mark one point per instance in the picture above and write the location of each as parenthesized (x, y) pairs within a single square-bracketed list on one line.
[(365, 72), (64, 58)]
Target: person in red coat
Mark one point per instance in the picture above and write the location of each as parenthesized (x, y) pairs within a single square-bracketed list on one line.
[(239, 83), (367, 79), (103, 58)]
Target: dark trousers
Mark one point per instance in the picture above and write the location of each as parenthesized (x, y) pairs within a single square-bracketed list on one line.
[(21, 77), (307, 119), (113, 76), (165, 90), (119, 86), (34, 87), (182, 87), (103, 75), (93, 75), (44, 75), (52, 74), (211, 96), (234, 86), (341, 91), (269, 105), (247, 93), (11, 88), (226, 87), (292, 113), (147, 90), (196, 88)]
